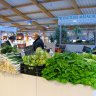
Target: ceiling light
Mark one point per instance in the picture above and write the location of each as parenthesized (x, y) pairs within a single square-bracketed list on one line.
[(29, 22), (83, 40), (74, 41), (74, 20), (47, 26)]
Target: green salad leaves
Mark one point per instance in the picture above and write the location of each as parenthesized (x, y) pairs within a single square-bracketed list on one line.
[(37, 59), (72, 67)]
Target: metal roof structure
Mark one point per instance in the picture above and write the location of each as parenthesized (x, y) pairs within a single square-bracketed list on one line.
[(16, 10)]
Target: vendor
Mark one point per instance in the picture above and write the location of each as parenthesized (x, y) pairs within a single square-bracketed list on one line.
[(38, 41), (10, 42)]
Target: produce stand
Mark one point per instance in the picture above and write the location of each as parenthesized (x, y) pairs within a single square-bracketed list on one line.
[(10, 63), (65, 65), (34, 62), (41, 86)]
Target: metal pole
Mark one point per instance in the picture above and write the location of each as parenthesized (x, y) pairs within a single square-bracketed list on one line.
[(95, 37), (60, 34), (0, 38)]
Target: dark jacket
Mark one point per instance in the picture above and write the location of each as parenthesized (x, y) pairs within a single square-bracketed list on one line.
[(7, 43), (38, 43)]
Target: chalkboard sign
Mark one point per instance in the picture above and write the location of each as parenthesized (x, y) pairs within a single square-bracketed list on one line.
[(29, 50)]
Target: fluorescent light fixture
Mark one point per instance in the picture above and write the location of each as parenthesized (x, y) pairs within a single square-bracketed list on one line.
[(83, 40), (47, 26), (74, 41), (68, 32), (74, 20), (29, 22)]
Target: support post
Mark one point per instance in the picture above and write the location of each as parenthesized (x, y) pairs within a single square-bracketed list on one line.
[(60, 38), (0, 38), (95, 37)]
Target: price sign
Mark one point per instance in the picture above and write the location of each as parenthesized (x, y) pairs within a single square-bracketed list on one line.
[(8, 29), (77, 19)]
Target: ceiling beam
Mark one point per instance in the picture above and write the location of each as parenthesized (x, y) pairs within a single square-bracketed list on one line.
[(37, 31), (25, 13), (71, 8), (47, 1), (92, 6), (53, 29), (19, 13), (15, 24), (76, 8), (17, 6), (43, 9), (45, 30), (46, 24), (9, 20), (60, 9), (29, 4), (40, 24)]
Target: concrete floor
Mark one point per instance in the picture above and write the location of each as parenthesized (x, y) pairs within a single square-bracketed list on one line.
[(26, 85)]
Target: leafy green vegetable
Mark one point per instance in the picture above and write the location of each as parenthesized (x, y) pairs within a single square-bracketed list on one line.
[(36, 59), (72, 67), (8, 49)]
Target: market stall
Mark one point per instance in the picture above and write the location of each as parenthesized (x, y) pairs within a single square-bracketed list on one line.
[(5, 32), (64, 69), (42, 57)]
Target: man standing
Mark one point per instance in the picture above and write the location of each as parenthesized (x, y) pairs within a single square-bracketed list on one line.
[(38, 42), (9, 42)]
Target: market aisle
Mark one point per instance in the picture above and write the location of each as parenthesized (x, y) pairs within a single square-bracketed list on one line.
[(22, 85)]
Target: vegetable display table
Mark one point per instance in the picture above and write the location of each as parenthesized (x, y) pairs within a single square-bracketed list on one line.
[(26, 85)]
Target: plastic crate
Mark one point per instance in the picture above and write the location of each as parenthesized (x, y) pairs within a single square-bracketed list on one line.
[(31, 70)]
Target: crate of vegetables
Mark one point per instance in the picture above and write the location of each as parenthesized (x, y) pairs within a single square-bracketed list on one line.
[(32, 70), (35, 63)]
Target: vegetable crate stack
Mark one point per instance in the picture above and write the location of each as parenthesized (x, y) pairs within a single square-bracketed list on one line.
[(35, 63)]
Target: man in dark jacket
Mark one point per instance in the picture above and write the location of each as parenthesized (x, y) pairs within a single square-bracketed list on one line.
[(9, 42), (38, 42)]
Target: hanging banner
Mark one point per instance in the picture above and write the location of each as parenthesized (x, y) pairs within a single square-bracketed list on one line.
[(77, 19), (8, 29)]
